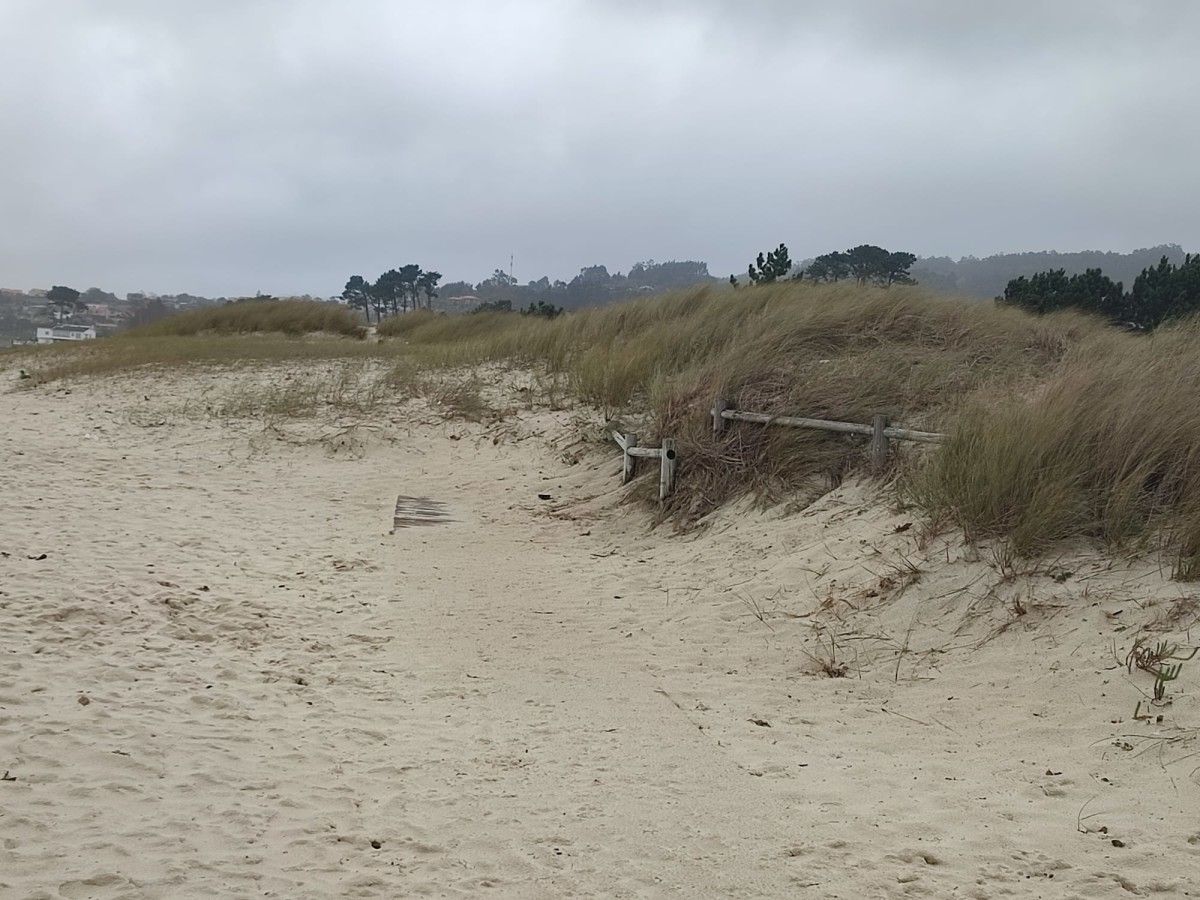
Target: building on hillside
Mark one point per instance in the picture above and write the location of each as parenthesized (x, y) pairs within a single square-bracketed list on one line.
[(54, 333)]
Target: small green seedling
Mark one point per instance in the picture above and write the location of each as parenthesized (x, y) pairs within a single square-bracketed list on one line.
[(1163, 660)]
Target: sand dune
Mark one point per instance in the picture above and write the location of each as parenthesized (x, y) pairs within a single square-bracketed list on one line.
[(224, 672)]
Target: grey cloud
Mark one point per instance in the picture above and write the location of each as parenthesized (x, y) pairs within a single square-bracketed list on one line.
[(226, 147)]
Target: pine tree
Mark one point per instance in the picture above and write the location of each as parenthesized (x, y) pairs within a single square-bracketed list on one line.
[(775, 265)]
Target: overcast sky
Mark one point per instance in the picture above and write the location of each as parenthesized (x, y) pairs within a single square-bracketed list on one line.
[(229, 146)]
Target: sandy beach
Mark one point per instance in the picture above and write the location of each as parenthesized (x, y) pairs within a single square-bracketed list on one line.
[(225, 673)]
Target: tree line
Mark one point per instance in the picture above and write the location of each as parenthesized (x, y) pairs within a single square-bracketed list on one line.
[(395, 291), (985, 277), (593, 286), (410, 287), (866, 264), (1160, 293)]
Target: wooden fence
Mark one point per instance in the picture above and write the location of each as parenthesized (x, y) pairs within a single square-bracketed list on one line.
[(880, 431), (665, 454)]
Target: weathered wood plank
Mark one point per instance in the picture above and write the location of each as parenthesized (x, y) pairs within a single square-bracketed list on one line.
[(891, 431), (666, 472), (412, 511)]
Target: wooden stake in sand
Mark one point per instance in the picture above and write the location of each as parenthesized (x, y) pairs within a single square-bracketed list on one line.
[(879, 442), (630, 462), (666, 472), (718, 420)]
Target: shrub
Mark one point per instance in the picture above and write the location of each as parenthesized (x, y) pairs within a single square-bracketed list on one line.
[(1161, 293), (543, 309), (1055, 290)]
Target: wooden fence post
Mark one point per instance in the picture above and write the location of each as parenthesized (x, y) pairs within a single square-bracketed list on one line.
[(879, 442), (666, 472), (630, 462), (718, 423)]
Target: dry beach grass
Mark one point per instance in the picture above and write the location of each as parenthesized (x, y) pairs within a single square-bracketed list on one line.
[(1061, 426)]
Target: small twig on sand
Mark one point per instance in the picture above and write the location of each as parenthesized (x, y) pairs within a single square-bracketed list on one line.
[(1079, 817), (904, 649), (903, 716), (918, 721), (676, 704)]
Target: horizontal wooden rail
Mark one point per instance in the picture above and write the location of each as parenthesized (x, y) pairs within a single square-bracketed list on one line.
[(736, 415), (651, 452), (879, 431), (908, 434), (900, 434)]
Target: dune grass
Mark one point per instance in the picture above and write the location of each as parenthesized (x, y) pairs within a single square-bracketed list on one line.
[(835, 351), (231, 334), (136, 350), (292, 317), (1109, 447), (1060, 426)]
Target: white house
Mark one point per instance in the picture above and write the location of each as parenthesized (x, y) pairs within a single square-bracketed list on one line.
[(56, 333)]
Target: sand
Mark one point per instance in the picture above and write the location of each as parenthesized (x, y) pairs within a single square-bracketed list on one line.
[(224, 673)]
